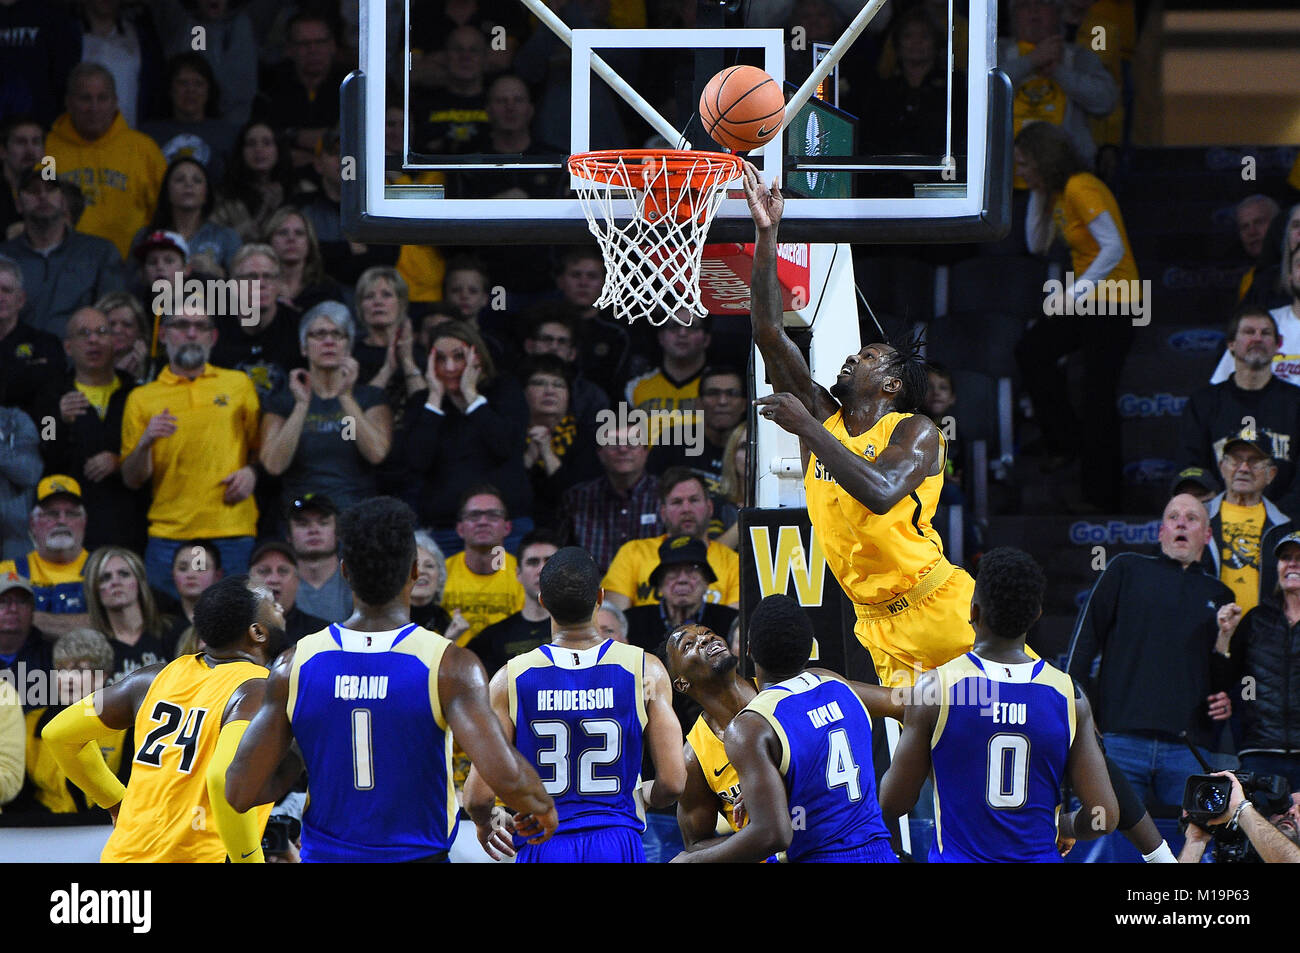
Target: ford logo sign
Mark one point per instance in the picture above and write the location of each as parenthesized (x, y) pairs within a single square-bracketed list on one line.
[(1197, 340), (1149, 470)]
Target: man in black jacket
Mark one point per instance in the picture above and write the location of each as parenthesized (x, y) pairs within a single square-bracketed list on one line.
[(1253, 402), (1265, 662), (86, 413), (1152, 619)]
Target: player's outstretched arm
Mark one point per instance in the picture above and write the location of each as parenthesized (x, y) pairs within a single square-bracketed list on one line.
[(74, 733), (265, 743), (664, 737), (755, 752), (1090, 779), (462, 686), (786, 367), (910, 766), (880, 702), (914, 453)]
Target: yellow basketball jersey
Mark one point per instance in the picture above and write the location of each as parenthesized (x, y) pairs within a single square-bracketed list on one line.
[(874, 555), (166, 816), (719, 774)]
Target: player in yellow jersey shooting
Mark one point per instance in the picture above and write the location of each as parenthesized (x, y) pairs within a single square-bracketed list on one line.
[(873, 471)]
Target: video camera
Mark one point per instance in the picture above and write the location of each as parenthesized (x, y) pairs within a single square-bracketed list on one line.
[(281, 831), (1206, 796)]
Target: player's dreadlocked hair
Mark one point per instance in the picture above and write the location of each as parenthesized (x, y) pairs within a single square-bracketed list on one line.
[(1009, 589), (569, 584), (225, 611), (908, 365), (377, 541), (780, 635)]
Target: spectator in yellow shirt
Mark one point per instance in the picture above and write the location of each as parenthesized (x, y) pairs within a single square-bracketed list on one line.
[(83, 660), (482, 581), (192, 435), (1094, 311), (55, 566), (118, 169), (685, 508)]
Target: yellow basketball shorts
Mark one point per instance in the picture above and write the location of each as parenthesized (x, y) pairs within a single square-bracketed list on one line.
[(920, 629)]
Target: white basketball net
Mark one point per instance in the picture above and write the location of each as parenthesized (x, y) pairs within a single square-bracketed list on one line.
[(652, 261)]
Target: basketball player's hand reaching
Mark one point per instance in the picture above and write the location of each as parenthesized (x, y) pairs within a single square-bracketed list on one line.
[(787, 412), (765, 204)]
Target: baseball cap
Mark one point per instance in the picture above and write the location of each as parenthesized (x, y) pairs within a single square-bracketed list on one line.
[(1258, 442), (679, 551), (1288, 538), (1197, 475), (57, 484), (162, 239), (11, 580), (273, 546), (312, 501)]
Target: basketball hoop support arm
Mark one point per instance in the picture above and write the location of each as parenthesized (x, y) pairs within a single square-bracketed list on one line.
[(616, 82), (800, 98)]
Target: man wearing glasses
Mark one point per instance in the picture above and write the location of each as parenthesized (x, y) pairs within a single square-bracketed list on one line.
[(1240, 516), (263, 342), (56, 565), (482, 581), (192, 435), (86, 412)]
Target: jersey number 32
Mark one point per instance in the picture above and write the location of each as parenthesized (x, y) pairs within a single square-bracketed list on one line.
[(556, 756)]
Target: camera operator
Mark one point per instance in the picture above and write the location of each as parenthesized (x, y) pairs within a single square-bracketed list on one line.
[(1276, 839), (283, 837)]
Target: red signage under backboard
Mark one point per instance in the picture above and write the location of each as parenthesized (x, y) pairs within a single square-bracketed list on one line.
[(726, 271)]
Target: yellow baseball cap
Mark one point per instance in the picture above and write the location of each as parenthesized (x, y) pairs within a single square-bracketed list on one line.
[(55, 485)]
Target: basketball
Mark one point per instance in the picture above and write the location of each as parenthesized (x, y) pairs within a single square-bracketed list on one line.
[(742, 108)]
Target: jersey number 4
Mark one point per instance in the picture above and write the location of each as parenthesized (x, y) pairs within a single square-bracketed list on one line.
[(174, 720), (557, 756), (841, 770)]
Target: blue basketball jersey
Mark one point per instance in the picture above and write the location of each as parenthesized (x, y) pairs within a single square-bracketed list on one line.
[(366, 714), (999, 753), (579, 718), (825, 735)]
